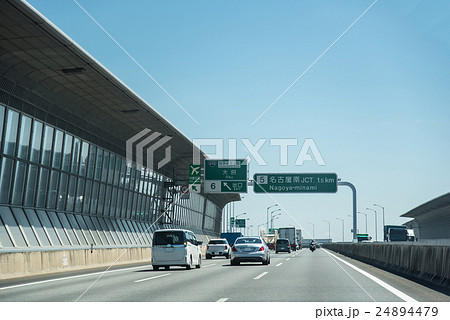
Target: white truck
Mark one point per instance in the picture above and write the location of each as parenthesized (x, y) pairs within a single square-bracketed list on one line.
[(290, 234)]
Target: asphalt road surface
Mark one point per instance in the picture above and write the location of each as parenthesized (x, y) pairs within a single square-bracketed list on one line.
[(302, 276)]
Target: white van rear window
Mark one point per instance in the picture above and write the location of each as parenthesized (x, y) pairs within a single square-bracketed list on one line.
[(168, 237)]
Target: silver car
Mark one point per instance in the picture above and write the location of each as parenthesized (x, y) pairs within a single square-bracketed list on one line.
[(250, 249)]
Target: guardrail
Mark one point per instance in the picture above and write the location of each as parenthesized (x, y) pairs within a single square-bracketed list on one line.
[(424, 262)]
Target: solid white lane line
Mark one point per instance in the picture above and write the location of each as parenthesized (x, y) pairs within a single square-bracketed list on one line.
[(279, 264), (155, 277), (260, 276), (388, 287), (222, 300), (71, 277)]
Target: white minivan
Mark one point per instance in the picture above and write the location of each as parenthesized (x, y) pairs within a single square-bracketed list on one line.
[(175, 247)]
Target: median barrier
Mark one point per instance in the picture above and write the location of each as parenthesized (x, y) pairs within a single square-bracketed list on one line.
[(19, 264), (423, 262)]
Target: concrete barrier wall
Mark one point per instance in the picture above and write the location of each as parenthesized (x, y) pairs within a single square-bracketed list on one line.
[(428, 263), (19, 264)]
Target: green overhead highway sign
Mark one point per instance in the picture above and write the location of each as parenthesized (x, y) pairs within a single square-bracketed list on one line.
[(240, 223), (295, 183), (226, 169), (225, 176)]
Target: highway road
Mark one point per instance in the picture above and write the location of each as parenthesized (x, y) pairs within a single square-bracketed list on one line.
[(302, 276)]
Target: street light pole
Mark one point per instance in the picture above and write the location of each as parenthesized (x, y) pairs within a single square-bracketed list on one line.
[(313, 230), (271, 213), (271, 219), (259, 230), (274, 217), (365, 214), (376, 225), (342, 220), (267, 220), (234, 218), (377, 205), (329, 227)]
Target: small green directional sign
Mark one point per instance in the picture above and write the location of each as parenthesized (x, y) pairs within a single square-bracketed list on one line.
[(195, 177), (240, 223)]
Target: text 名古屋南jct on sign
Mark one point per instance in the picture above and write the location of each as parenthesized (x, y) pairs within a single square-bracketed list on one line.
[(295, 183)]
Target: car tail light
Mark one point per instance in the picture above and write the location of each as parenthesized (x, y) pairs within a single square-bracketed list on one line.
[(289, 245), (226, 247), (233, 249), (261, 249), (207, 247)]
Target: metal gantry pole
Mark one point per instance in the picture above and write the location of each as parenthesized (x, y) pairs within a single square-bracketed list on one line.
[(355, 218)]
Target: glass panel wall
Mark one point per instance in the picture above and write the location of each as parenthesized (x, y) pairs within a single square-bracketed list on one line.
[(24, 137), (19, 182), (57, 149), (47, 145), (30, 193), (36, 141), (12, 227), (37, 228), (10, 139), (45, 167), (5, 239), (5, 179), (67, 152)]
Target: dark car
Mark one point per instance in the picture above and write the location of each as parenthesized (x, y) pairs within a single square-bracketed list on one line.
[(282, 245)]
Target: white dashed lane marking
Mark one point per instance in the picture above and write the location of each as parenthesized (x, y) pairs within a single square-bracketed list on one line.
[(155, 277), (260, 276), (222, 300)]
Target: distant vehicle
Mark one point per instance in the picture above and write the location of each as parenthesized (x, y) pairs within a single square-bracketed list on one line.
[(175, 247), (218, 247), (363, 237), (298, 234), (312, 246), (231, 236), (411, 235), (290, 234), (270, 239), (395, 233), (282, 245), (250, 249)]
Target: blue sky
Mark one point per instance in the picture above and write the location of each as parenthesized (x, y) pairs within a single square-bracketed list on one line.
[(376, 104)]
